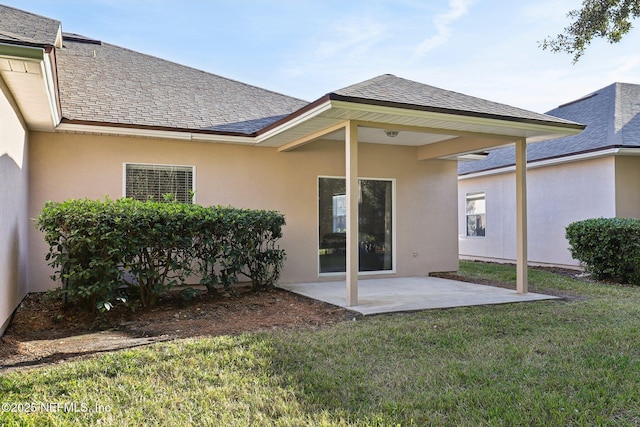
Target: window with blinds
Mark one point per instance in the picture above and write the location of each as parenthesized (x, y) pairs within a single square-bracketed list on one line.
[(155, 182)]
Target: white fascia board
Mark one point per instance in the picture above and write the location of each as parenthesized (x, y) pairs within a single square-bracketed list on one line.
[(50, 89), (230, 139), (22, 53), (153, 133), (295, 121), (556, 161), (629, 151), (555, 131)]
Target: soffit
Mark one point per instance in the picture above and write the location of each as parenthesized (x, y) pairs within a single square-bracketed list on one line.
[(416, 127), (25, 80)]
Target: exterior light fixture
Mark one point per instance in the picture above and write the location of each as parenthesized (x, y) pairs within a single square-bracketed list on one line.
[(391, 133)]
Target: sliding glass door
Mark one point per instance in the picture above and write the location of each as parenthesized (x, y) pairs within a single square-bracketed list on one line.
[(375, 236)]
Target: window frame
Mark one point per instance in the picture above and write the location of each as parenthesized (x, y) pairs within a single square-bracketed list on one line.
[(394, 245), (467, 215), (192, 167)]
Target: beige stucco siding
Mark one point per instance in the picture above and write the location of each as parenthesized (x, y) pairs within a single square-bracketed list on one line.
[(75, 165), (14, 223), (557, 195), (628, 186)]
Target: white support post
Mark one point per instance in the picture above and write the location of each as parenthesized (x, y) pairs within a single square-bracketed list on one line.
[(351, 156), (521, 220)]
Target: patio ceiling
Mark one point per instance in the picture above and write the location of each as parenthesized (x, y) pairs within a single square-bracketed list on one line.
[(325, 118)]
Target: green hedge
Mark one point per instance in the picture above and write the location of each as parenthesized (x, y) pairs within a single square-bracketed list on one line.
[(609, 248), (104, 251)]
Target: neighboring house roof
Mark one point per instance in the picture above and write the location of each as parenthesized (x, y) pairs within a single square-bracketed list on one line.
[(18, 26), (103, 83), (390, 90), (612, 116)]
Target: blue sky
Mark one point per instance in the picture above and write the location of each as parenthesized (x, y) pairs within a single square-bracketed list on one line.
[(306, 48)]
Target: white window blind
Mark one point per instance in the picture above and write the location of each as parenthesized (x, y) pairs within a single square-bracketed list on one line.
[(144, 182)]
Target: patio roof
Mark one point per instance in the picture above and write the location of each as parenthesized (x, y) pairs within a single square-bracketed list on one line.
[(420, 115)]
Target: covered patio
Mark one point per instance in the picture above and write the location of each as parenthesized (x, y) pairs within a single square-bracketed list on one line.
[(388, 295), (440, 125)]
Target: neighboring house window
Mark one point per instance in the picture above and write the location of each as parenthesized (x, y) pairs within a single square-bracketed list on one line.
[(157, 182), (375, 225), (476, 212)]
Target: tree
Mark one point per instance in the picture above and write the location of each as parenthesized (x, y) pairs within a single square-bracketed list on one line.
[(608, 19)]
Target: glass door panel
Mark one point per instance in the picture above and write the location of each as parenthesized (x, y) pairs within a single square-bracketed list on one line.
[(375, 237)]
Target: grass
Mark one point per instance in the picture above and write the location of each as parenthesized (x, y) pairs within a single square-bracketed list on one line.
[(543, 363)]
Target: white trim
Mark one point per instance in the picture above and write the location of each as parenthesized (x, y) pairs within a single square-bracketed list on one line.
[(550, 162), (153, 133), (550, 131), (558, 129), (193, 175), (294, 122), (50, 89), (393, 229)]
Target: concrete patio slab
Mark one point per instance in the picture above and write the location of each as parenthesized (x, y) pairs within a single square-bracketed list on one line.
[(410, 294)]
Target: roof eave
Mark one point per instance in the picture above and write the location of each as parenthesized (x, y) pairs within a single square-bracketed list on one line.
[(126, 129), (368, 101), (44, 56)]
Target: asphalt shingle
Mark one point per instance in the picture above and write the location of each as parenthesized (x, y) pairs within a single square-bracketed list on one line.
[(100, 82), (18, 26), (388, 88), (612, 116)]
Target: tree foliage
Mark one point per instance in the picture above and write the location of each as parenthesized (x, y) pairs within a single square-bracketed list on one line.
[(607, 19)]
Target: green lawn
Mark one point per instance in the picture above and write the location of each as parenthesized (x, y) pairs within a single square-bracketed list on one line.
[(542, 363)]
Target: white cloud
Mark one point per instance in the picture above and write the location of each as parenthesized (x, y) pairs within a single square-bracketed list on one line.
[(442, 22), (350, 37)]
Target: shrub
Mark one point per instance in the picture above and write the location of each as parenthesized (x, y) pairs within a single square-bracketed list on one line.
[(609, 248), (97, 248), (262, 259), (84, 250), (158, 240)]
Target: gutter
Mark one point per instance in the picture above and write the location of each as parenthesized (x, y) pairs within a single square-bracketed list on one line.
[(153, 132), (455, 112), (551, 161)]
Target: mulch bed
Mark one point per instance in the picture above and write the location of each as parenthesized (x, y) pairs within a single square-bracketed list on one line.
[(41, 332)]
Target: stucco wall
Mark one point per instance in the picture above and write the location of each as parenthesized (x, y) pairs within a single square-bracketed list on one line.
[(557, 195), (73, 165), (14, 226), (628, 186)]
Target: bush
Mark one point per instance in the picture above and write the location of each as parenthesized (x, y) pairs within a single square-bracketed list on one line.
[(609, 248), (97, 248)]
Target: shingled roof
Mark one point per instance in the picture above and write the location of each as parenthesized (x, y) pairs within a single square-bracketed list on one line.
[(102, 83), (106, 85), (27, 28), (612, 116), (390, 90)]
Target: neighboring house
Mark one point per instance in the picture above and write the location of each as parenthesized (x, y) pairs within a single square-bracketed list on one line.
[(82, 118), (593, 174)]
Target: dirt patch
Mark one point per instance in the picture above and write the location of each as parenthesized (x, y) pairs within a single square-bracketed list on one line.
[(42, 333)]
